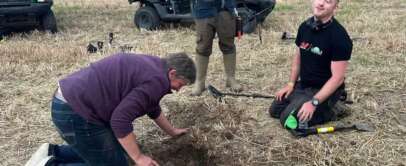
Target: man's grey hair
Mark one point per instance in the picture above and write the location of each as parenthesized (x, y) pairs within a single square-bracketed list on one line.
[(183, 64)]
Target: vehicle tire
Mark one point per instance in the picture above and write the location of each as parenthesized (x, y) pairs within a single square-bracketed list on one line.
[(48, 22), (147, 18), (3, 33), (249, 23)]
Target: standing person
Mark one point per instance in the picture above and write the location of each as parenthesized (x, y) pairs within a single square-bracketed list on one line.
[(93, 109), (211, 17), (321, 60)]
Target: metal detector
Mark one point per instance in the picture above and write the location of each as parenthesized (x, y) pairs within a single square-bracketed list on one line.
[(218, 94)]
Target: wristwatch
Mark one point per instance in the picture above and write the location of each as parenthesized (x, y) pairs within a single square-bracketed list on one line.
[(315, 102)]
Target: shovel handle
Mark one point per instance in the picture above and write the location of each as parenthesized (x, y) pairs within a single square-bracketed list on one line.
[(326, 130), (313, 131)]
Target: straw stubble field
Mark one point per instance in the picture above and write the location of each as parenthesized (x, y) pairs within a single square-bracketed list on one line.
[(236, 131)]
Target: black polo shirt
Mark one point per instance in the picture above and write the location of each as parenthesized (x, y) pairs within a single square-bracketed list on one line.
[(318, 48)]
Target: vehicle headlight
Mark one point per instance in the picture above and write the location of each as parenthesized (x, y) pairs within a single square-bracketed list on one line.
[(44, 0)]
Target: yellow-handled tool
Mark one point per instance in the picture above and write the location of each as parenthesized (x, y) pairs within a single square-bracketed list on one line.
[(330, 129)]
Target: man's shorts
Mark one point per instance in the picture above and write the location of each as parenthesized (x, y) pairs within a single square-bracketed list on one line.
[(206, 28)]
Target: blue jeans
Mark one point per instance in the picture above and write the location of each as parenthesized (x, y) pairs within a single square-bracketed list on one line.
[(88, 144)]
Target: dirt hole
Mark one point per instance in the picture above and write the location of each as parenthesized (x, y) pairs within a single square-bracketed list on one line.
[(180, 151), (185, 154)]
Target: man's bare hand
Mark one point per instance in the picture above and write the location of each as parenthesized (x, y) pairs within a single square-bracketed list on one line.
[(143, 160), (284, 92), (179, 131), (306, 112)]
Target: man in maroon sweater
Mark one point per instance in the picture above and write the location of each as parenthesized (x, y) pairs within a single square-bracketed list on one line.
[(93, 108)]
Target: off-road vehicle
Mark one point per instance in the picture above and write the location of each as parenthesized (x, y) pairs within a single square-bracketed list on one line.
[(152, 13), (17, 15)]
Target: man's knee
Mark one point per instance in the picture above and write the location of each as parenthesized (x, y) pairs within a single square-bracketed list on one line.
[(204, 37), (227, 49), (204, 45), (276, 108), (203, 52), (226, 42), (226, 33)]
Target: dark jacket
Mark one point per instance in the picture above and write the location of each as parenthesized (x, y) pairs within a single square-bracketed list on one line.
[(210, 8)]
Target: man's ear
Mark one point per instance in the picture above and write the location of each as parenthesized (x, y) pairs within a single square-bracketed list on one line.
[(172, 73), (335, 9)]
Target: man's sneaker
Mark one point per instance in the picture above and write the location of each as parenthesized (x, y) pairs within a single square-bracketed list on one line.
[(44, 152)]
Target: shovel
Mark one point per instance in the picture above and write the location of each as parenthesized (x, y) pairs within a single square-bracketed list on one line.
[(363, 127), (218, 94)]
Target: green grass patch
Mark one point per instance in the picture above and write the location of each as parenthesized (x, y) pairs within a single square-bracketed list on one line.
[(283, 7)]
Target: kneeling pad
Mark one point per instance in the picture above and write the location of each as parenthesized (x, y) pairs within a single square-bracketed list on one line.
[(288, 118)]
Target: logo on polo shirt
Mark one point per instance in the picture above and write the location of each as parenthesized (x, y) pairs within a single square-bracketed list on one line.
[(316, 50), (305, 45), (309, 47)]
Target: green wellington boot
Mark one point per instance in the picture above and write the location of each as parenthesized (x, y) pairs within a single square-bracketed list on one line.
[(229, 67), (201, 66)]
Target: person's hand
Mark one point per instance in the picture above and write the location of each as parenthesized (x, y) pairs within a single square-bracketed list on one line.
[(284, 92), (143, 160), (179, 131), (306, 112)]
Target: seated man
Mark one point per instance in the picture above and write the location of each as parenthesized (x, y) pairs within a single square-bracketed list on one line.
[(93, 108), (321, 60)]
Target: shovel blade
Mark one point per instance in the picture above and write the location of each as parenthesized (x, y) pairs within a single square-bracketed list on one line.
[(363, 127)]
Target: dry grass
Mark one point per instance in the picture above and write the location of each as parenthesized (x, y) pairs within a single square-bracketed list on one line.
[(236, 131)]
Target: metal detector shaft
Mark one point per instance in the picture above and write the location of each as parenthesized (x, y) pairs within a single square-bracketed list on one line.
[(216, 93), (248, 95)]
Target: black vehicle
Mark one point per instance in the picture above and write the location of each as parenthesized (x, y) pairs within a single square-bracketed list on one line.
[(152, 13), (20, 15)]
